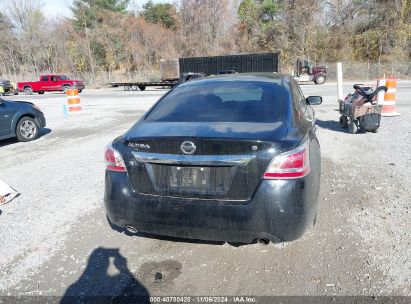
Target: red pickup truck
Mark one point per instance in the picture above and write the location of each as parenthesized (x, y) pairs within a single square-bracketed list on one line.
[(50, 83)]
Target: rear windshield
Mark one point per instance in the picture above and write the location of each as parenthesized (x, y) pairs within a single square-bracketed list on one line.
[(222, 101)]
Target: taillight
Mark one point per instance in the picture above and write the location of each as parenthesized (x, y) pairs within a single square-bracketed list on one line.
[(291, 164), (114, 161)]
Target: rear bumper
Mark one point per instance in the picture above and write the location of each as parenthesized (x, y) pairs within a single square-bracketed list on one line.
[(280, 210)]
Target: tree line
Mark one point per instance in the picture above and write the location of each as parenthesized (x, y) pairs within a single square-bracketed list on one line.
[(116, 37)]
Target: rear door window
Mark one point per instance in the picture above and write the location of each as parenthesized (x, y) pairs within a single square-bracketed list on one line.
[(44, 78), (301, 102), (298, 95), (223, 101)]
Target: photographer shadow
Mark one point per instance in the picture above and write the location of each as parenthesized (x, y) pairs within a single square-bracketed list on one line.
[(106, 279)]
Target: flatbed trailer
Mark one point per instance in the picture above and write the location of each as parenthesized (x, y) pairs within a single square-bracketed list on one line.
[(135, 86)]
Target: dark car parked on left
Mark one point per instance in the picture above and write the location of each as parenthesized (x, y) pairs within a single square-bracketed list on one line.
[(20, 119), (6, 87)]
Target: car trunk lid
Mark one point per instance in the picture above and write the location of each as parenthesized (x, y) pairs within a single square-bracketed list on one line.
[(228, 162)]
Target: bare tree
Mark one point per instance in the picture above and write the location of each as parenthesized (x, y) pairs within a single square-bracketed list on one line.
[(28, 20), (207, 26)]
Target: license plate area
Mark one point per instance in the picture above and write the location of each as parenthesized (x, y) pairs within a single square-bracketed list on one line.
[(187, 179)]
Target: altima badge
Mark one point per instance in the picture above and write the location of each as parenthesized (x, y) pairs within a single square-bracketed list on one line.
[(188, 147), (138, 146)]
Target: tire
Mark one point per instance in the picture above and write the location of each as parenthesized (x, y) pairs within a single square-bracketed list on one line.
[(344, 121), (352, 127), (320, 79), (79, 91), (141, 87), (27, 129), (65, 88), (28, 91), (374, 131), (236, 244), (40, 92)]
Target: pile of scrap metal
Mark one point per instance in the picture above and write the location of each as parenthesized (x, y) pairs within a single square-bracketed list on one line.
[(358, 98), (361, 109)]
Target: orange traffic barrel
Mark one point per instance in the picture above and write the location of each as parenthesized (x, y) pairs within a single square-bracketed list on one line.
[(73, 102), (388, 104)]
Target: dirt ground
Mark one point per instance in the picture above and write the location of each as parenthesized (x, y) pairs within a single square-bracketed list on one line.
[(55, 240)]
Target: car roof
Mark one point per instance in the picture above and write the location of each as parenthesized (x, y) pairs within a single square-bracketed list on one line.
[(260, 77)]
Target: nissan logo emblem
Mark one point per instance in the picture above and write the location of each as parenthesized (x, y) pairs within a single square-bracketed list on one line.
[(188, 147)]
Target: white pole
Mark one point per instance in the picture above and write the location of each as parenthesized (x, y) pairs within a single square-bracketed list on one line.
[(339, 81), (380, 95)]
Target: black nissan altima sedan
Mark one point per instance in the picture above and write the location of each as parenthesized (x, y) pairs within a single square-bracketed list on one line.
[(228, 158)]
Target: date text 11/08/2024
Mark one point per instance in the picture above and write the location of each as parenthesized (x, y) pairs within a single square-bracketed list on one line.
[(203, 299)]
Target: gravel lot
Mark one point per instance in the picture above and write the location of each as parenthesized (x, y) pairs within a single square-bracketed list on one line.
[(55, 240)]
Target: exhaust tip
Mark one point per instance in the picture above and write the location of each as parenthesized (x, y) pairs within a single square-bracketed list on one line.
[(131, 230), (264, 241)]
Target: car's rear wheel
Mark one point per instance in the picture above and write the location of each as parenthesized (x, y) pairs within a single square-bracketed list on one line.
[(40, 92), (27, 129), (236, 244), (79, 91), (28, 91), (65, 88)]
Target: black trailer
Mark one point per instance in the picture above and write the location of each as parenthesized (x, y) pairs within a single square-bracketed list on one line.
[(194, 67), (245, 63), (135, 86)]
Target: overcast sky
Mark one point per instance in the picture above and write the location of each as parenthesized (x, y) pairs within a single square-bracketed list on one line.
[(57, 7), (54, 8)]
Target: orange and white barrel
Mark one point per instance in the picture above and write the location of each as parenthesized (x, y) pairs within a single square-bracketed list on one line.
[(73, 102), (388, 103)]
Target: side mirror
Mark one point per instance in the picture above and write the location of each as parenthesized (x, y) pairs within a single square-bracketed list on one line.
[(314, 100)]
